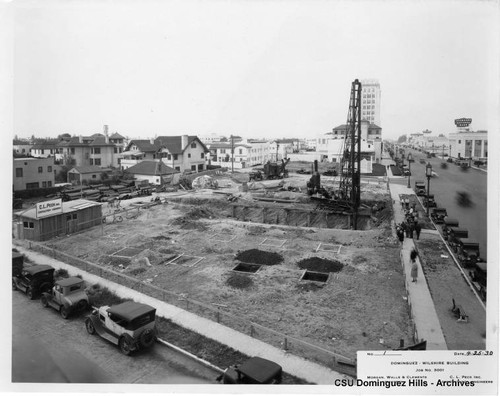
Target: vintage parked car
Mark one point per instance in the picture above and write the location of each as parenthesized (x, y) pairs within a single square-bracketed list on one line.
[(32, 280), (422, 161), (479, 274), (468, 251), (429, 201), (455, 235), (448, 222), (130, 325), (67, 296), (438, 215), (420, 188), (255, 370)]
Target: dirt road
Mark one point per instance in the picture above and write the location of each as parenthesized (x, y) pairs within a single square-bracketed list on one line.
[(48, 349)]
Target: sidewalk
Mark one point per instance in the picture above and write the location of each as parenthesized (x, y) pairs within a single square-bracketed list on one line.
[(291, 364), (419, 297)]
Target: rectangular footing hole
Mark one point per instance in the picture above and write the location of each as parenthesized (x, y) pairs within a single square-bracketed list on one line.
[(324, 247), (244, 267), (222, 237), (273, 242), (315, 276)]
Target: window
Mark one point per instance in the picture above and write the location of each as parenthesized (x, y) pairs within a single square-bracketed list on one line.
[(19, 172), (193, 145), (97, 161), (49, 184), (115, 150), (202, 155), (177, 168), (97, 150), (169, 156), (193, 167), (40, 169), (32, 186), (175, 157), (73, 161), (91, 161), (44, 184), (223, 151), (27, 224), (189, 155), (241, 151), (459, 141), (72, 150), (49, 169), (94, 177)]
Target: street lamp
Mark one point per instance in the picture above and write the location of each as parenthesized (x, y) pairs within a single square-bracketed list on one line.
[(410, 158), (428, 173)]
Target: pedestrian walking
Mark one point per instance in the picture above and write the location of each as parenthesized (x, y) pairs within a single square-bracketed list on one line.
[(418, 228), (411, 227), (414, 265), (400, 233), (407, 229)]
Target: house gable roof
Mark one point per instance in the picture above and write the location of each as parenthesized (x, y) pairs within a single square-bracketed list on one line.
[(174, 143), (150, 168), (143, 145)]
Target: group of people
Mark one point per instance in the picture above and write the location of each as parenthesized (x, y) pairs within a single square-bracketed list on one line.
[(408, 228)]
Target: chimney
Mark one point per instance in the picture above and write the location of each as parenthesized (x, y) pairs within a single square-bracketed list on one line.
[(105, 130), (80, 139), (184, 141), (152, 140)]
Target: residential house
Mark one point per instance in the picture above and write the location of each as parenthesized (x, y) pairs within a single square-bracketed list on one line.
[(152, 171), (280, 148), (21, 147), (182, 153), (138, 150), (31, 173), (246, 153), (95, 150), (88, 174), (44, 148)]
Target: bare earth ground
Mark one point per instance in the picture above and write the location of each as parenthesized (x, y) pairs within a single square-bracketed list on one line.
[(355, 309)]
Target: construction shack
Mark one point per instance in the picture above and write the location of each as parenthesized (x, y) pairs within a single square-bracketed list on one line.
[(49, 219)]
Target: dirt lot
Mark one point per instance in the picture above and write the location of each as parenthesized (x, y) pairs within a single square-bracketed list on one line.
[(192, 248)]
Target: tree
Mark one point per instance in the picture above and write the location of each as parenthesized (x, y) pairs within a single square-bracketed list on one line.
[(402, 139)]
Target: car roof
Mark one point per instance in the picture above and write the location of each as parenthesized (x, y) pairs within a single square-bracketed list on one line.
[(130, 310), (69, 281), (259, 369), (439, 209), (469, 241), (35, 269), (449, 220), (458, 229), (481, 265)]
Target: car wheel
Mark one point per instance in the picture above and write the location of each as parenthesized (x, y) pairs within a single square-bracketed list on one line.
[(90, 326), (44, 301), (147, 338), (64, 312), (29, 293), (125, 346)]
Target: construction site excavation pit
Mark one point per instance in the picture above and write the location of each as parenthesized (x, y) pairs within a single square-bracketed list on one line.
[(315, 276), (247, 268)]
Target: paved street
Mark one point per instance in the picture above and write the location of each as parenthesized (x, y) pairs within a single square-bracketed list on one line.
[(445, 186)]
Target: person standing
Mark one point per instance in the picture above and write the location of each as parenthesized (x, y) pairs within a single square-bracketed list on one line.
[(414, 265), (418, 228), (401, 234)]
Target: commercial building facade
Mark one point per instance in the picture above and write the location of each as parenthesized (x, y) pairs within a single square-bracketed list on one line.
[(31, 173), (370, 101)]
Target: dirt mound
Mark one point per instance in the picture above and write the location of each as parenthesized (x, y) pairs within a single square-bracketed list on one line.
[(257, 256), (188, 224), (237, 281), (318, 264)]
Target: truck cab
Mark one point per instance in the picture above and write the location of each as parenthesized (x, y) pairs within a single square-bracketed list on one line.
[(420, 188), (429, 201), (468, 251)]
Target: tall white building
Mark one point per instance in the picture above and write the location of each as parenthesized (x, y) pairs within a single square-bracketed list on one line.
[(370, 101)]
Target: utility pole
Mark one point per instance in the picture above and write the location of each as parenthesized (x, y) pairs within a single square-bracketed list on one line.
[(232, 154)]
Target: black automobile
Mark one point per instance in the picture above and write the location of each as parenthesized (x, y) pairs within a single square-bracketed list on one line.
[(33, 280), (255, 370)]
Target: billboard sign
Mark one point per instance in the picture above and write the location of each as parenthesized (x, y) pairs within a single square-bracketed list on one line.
[(463, 122), (48, 208)]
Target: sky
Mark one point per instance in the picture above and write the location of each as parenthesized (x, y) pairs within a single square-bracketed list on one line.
[(257, 68)]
